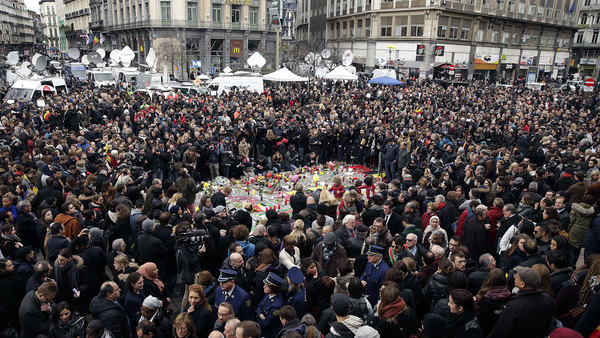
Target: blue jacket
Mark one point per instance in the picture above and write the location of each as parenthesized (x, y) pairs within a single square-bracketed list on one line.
[(240, 300), (298, 301), (269, 307), (374, 276)]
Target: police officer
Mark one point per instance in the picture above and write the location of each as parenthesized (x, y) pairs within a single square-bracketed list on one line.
[(374, 274), (229, 292), (296, 296), (268, 309)]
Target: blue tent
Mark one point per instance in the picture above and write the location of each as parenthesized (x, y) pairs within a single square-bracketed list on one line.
[(385, 80)]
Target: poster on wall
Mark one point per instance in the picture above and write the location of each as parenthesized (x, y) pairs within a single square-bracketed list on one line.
[(236, 48), (439, 51), (487, 59), (420, 49)]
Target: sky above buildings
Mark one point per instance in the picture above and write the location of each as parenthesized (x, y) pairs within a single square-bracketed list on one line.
[(33, 5)]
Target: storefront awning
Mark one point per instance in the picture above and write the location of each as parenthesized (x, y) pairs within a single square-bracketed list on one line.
[(485, 66)]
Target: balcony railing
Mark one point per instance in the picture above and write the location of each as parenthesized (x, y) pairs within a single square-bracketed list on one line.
[(96, 24), (191, 24)]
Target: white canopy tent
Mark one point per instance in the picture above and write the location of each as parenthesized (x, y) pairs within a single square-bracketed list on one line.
[(284, 75), (340, 73)]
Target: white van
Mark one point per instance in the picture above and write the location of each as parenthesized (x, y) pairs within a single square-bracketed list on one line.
[(34, 90), (225, 83), (100, 78), (144, 80)]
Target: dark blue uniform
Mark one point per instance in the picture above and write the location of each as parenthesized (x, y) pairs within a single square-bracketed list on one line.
[(269, 307), (239, 299), (374, 276), (297, 300)]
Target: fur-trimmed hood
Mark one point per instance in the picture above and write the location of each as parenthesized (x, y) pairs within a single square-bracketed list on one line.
[(129, 268), (78, 261), (583, 208)]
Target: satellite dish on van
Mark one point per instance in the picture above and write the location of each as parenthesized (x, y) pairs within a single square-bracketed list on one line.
[(12, 58), (39, 62), (102, 52), (94, 57), (24, 69), (227, 70), (73, 53), (151, 58), (11, 77), (85, 60), (115, 56), (325, 53), (381, 62), (347, 58), (127, 55), (256, 60), (310, 57)]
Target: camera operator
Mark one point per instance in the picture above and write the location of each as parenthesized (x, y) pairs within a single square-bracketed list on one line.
[(203, 221), (190, 246), (226, 156)]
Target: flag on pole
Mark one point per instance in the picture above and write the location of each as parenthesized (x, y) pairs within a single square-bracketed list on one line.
[(90, 39), (96, 40), (572, 7), (101, 39), (87, 39)]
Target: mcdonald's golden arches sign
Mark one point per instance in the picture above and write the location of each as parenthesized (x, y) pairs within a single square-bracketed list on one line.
[(236, 48)]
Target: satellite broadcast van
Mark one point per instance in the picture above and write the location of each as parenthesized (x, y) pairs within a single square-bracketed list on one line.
[(76, 70), (225, 83), (144, 80), (34, 90), (100, 78)]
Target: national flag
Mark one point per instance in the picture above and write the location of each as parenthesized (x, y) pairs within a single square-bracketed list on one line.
[(572, 7), (101, 39), (90, 39), (96, 40), (87, 39)]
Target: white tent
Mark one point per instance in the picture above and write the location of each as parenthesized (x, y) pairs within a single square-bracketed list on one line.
[(340, 73), (284, 75)]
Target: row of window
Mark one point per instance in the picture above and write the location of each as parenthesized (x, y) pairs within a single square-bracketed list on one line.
[(403, 26), (217, 12), (584, 19), (579, 37)]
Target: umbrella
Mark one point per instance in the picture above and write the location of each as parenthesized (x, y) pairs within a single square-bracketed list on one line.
[(385, 80)]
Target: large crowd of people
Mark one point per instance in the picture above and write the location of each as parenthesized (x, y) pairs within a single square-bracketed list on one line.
[(486, 221)]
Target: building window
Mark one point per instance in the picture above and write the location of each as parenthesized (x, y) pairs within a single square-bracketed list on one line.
[(216, 12), (549, 12), (595, 37), (511, 5), (505, 37), (531, 10), (515, 39), (254, 15), (386, 26), (534, 40), (480, 35), (367, 28), (453, 33), (359, 29), (495, 37), (485, 3), (235, 13), (345, 29), (521, 8), (464, 34), (500, 5), (416, 25), (583, 19), (587, 2), (442, 30), (165, 10), (579, 38), (351, 29), (525, 39), (192, 11), (541, 11)]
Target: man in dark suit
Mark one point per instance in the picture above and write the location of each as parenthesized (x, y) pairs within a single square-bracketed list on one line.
[(475, 234), (298, 201), (392, 220), (151, 248)]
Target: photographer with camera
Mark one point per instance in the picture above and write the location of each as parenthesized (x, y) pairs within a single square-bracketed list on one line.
[(190, 246), (226, 159)]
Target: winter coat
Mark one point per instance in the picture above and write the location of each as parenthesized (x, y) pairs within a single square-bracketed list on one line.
[(33, 320), (581, 216), (112, 315), (330, 268), (527, 314), (475, 238), (576, 192), (592, 238), (488, 309), (12, 290), (346, 328), (435, 289), (74, 328), (404, 324)]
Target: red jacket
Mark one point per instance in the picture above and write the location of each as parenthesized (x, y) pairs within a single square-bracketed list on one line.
[(338, 190)]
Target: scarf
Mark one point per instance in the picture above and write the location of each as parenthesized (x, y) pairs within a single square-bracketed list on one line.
[(72, 274), (148, 268), (13, 238), (328, 253), (497, 292), (33, 216), (393, 308)]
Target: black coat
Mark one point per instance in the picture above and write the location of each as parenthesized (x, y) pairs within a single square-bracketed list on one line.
[(202, 320), (475, 238), (12, 290), (404, 324), (527, 314), (394, 224), (33, 320), (298, 202), (27, 230), (447, 216), (476, 279), (217, 199), (112, 315), (488, 311), (152, 250)]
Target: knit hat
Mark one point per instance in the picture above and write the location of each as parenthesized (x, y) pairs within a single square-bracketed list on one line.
[(366, 332), (329, 238), (340, 303), (147, 225), (218, 209)]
